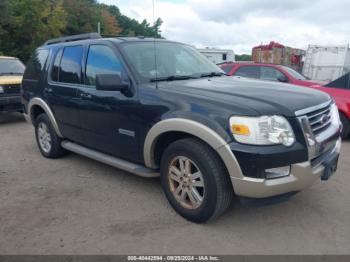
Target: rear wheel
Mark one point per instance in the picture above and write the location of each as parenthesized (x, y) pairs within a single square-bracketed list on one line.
[(346, 125), (195, 180), (48, 141)]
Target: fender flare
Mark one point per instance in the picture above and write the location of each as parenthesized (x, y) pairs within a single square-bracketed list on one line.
[(196, 129), (40, 102)]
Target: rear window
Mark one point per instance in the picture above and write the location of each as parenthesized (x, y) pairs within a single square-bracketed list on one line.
[(36, 64), (248, 71), (70, 67)]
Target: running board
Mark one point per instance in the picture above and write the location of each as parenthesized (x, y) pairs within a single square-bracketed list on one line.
[(136, 169)]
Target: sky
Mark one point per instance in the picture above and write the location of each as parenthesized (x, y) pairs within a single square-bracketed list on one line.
[(242, 24)]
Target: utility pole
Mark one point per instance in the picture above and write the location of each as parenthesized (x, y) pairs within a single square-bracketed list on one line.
[(99, 27)]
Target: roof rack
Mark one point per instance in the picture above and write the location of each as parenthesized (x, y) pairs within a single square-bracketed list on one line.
[(73, 38)]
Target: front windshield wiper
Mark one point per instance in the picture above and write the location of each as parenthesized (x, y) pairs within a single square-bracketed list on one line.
[(172, 78), (211, 74)]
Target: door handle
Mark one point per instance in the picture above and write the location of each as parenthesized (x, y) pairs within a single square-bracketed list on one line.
[(85, 95), (48, 90)]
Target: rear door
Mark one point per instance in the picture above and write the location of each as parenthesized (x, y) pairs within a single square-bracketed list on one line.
[(64, 78)]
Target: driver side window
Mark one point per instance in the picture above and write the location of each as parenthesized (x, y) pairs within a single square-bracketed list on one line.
[(101, 60)]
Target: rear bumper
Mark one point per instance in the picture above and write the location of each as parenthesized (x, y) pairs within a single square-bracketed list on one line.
[(302, 176), (11, 103)]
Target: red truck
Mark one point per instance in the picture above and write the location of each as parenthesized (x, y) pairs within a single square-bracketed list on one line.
[(338, 89)]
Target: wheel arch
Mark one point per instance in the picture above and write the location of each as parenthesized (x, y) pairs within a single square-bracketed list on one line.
[(181, 127), (38, 105)]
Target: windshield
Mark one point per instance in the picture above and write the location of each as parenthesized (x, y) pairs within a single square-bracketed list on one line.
[(11, 67), (294, 73), (174, 61)]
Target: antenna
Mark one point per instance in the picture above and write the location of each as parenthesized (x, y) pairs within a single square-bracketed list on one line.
[(154, 46)]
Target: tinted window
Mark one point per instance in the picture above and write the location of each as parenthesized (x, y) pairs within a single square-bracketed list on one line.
[(56, 66), (270, 73), (101, 60), (36, 64), (248, 71), (70, 69), (227, 69)]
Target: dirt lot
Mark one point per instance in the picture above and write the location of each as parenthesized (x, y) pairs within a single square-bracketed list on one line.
[(78, 206)]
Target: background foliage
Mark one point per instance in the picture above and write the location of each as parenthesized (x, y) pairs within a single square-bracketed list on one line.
[(27, 24)]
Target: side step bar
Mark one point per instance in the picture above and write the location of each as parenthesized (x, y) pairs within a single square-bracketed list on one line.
[(136, 169)]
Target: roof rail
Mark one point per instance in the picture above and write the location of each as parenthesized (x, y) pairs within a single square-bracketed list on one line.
[(73, 38)]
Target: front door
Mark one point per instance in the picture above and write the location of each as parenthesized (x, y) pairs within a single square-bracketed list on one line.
[(107, 118)]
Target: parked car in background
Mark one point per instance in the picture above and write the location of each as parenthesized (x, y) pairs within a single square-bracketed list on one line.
[(264, 71), (11, 73), (339, 89)]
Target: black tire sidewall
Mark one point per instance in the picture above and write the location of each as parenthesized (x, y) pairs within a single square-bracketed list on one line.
[(207, 208), (55, 142)]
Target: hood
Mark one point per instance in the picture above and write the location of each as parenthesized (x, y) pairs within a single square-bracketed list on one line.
[(260, 97), (10, 80)]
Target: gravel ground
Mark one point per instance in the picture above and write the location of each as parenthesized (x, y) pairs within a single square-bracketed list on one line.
[(75, 205)]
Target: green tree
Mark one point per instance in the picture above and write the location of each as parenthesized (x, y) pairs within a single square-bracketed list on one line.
[(31, 22), (243, 57)]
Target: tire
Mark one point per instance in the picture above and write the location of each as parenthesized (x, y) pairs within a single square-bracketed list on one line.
[(205, 168), (346, 125), (48, 142)]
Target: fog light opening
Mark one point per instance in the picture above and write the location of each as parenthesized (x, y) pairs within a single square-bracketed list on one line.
[(277, 172)]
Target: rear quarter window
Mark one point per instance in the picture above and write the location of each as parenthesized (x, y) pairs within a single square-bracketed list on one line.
[(36, 64)]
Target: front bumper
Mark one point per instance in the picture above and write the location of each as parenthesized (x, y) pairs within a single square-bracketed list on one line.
[(302, 176), (10, 103)]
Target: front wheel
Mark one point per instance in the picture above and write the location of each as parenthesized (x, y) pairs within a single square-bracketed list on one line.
[(195, 180)]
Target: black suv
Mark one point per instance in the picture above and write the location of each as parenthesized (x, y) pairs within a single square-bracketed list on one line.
[(159, 108)]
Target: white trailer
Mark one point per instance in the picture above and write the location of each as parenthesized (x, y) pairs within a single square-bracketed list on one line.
[(218, 56), (326, 63)]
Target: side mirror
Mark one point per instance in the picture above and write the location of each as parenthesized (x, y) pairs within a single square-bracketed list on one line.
[(282, 78), (110, 82)]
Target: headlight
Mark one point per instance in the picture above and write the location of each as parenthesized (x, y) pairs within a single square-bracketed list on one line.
[(1, 90), (335, 115), (264, 130)]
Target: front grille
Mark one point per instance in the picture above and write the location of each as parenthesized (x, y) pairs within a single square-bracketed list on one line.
[(11, 90), (320, 119)]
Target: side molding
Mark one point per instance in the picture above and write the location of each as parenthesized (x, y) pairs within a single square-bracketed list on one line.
[(196, 129), (39, 102)]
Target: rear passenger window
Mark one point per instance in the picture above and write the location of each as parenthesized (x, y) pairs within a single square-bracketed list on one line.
[(70, 68), (248, 71), (101, 60), (56, 66), (36, 64)]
